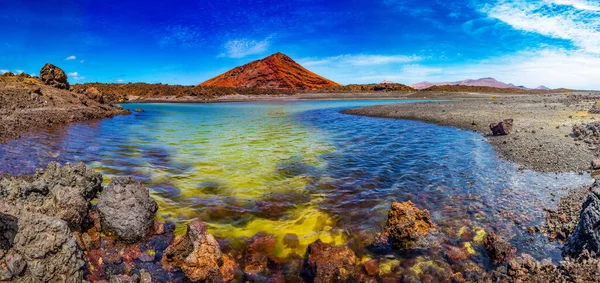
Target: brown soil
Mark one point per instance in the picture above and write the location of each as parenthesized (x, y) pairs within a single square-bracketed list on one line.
[(27, 104)]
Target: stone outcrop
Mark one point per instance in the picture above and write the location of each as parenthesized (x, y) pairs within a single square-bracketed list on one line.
[(62, 192), (502, 128), (127, 209), (328, 263), (94, 94), (499, 250), (42, 249), (587, 232), (199, 256), (407, 225), (54, 76)]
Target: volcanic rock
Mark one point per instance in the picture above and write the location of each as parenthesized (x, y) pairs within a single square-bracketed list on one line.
[(502, 128), (406, 225), (587, 232), (62, 192), (94, 94), (328, 263), (43, 250), (499, 250), (596, 164), (127, 209), (257, 254), (198, 255), (276, 71), (54, 76)]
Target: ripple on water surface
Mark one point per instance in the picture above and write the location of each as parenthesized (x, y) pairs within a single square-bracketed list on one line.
[(304, 168)]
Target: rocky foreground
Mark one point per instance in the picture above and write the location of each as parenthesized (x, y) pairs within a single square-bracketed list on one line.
[(30, 103)]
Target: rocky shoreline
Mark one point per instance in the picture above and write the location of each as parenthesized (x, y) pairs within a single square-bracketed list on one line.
[(37, 103), (548, 133)]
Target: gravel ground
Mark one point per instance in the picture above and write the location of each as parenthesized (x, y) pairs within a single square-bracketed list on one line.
[(541, 133)]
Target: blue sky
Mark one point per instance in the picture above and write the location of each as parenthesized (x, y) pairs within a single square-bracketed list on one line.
[(550, 42)]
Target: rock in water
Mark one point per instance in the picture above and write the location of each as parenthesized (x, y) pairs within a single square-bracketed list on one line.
[(587, 232), (502, 128), (198, 255), (327, 263), (406, 224), (54, 76), (499, 250), (127, 209)]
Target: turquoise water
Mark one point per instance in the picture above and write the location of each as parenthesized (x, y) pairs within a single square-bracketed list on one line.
[(306, 169)]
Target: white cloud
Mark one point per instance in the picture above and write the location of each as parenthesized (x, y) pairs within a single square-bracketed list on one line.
[(553, 68), (577, 4), (240, 48), (75, 76), (580, 27), (360, 60), (72, 57), (19, 72), (3, 71), (119, 80)]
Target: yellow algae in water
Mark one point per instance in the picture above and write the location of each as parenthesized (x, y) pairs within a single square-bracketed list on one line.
[(309, 226), (422, 265), (387, 265), (469, 247), (462, 230), (479, 236)]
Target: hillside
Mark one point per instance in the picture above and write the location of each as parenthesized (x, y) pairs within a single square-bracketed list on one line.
[(26, 104), (277, 71)]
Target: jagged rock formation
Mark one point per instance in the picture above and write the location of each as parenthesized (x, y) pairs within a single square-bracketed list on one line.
[(276, 71), (327, 263), (61, 192), (407, 225), (502, 128), (54, 76), (199, 256), (587, 233)]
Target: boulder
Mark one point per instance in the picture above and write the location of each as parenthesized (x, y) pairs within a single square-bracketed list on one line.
[(499, 250), (62, 192), (587, 232), (94, 94), (502, 128), (139, 110), (54, 76), (407, 225), (596, 164), (328, 263), (198, 255), (127, 209)]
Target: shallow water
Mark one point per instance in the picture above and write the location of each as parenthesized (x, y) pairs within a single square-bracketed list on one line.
[(306, 169)]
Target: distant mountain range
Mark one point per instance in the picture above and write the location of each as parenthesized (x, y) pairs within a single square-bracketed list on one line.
[(489, 82), (277, 71)]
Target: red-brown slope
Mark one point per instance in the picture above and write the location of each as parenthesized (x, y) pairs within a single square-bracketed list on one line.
[(276, 71)]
